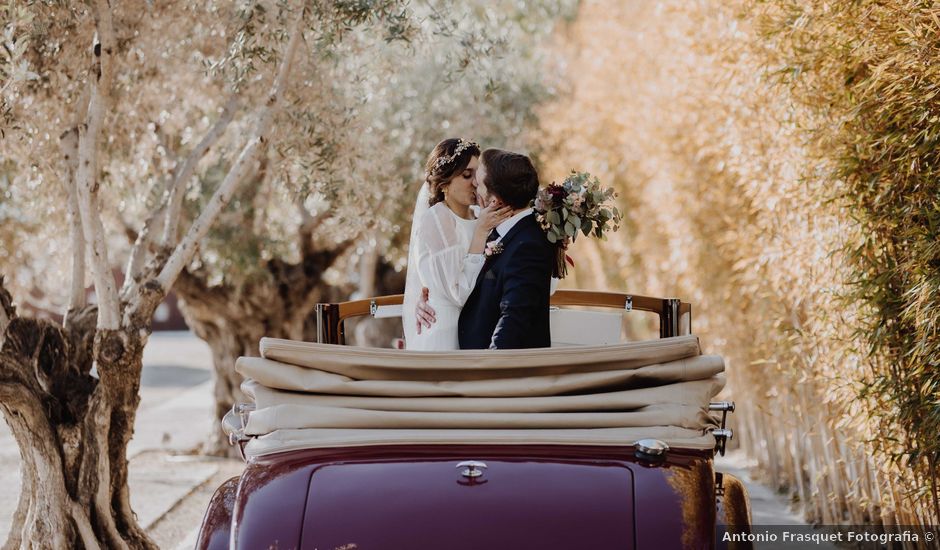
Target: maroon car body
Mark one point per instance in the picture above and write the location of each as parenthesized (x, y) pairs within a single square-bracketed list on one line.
[(414, 497)]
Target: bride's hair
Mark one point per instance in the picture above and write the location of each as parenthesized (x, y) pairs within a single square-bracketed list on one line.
[(449, 158)]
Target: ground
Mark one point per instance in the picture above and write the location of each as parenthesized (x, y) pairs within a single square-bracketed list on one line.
[(170, 487)]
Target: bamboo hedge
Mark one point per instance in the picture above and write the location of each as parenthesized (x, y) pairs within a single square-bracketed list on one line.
[(777, 161)]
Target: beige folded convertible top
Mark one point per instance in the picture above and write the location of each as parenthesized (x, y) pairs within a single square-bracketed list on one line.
[(322, 395)]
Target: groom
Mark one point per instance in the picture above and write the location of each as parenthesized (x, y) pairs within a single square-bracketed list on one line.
[(508, 308)]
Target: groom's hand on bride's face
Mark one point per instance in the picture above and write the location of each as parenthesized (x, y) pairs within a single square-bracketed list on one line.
[(423, 312)]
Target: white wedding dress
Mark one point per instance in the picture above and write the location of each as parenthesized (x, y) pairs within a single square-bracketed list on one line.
[(438, 260)]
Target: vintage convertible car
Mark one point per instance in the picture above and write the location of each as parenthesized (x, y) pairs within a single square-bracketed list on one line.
[(591, 444)]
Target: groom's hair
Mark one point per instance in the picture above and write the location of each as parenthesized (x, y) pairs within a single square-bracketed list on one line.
[(510, 176)]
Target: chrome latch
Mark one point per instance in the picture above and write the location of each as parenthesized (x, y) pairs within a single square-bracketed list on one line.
[(629, 304), (373, 307), (722, 434), (472, 468)]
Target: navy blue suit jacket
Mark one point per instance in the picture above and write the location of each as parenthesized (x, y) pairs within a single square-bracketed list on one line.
[(508, 307)]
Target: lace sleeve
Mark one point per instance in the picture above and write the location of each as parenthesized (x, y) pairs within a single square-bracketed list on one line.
[(445, 266)]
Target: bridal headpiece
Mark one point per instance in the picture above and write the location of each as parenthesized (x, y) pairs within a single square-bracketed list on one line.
[(462, 145)]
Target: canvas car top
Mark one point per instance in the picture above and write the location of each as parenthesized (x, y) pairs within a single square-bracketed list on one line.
[(320, 395)]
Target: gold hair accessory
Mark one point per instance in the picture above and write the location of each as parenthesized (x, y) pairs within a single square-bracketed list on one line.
[(462, 145)]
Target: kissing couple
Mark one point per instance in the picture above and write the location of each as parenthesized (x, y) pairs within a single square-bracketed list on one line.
[(479, 264)]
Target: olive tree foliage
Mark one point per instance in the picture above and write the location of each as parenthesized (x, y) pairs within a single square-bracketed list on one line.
[(329, 212), (353, 155), (108, 112)]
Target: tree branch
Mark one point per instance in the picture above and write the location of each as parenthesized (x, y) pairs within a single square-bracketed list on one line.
[(100, 85), (144, 239), (185, 171), (143, 244), (68, 142), (183, 253)]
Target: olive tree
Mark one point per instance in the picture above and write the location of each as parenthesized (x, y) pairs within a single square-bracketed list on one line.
[(322, 225), (108, 112)]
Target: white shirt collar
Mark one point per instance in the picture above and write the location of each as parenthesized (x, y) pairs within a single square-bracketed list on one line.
[(504, 227)]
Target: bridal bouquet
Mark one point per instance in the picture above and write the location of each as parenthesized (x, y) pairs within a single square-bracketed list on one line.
[(577, 204)]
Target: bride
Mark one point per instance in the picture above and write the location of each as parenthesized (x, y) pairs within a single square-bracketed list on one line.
[(445, 253)]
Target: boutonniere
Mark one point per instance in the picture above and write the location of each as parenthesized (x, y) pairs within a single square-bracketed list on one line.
[(493, 248)]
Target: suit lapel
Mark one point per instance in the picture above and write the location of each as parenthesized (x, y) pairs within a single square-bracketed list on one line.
[(514, 230), (504, 240)]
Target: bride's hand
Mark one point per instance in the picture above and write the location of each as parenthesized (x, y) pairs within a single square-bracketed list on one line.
[(491, 216), (424, 314)]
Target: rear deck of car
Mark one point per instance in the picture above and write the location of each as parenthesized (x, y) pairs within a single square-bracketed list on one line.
[(531, 496), (364, 448)]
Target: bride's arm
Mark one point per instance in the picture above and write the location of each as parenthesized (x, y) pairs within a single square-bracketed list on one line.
[(445, 265)]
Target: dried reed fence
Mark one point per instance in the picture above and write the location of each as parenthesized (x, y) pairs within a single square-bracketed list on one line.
[(777, 164)]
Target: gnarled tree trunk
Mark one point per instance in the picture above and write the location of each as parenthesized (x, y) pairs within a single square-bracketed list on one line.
[(73, 428), (232, 319), (229, 339)]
